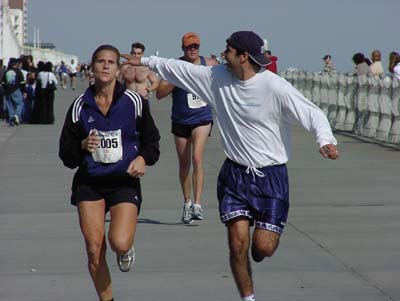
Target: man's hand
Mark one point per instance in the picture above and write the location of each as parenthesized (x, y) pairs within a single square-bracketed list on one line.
[(137, 168), (329, 151), (131, 60)]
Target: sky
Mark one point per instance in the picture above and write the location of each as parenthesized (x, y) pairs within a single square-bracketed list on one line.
[(299, 32)]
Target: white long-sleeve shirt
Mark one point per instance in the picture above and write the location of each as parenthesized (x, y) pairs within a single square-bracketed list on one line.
[(254, 116)]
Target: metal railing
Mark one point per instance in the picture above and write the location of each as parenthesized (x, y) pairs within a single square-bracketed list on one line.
[(367, 106)]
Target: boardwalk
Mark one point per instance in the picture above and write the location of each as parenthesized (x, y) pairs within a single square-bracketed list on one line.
[(341, 242)]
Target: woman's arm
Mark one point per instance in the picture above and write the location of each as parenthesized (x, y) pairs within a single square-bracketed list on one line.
[(149, 136)]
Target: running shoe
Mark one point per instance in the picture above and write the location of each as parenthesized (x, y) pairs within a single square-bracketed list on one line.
[(197, 213), (126, 261), (187, 215), (15, 119)]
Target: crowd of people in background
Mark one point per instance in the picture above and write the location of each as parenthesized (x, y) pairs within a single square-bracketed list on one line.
[(27, 90), (366, 66)]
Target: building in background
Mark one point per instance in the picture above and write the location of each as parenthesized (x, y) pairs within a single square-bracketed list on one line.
[(14, 36), (19, 19)]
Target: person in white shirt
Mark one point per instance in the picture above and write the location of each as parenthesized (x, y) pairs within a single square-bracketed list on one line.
[(254, 110), (73, 71), (376, 66), (45, 100)]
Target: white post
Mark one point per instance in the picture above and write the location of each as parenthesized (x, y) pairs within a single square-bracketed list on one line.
[(333, 87), (361, 104), (394, 135), (324, 94), (350, 101), (372, 107), (385, 108), (341, 104), (316, 89)]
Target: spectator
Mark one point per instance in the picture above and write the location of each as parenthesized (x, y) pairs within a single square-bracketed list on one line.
[(362, 64), (30, 94), (394, 64), (376, 66), (2, 103), (37, 105), (215, 58), (273, 67), (47, 77), (329, 67), (222, 58), (14, 89)]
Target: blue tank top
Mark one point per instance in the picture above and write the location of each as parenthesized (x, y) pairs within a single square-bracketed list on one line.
[(188, 108)]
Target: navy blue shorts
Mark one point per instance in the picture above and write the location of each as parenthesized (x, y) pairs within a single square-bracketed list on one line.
[(261, 197), (113, 195), (185, 130)]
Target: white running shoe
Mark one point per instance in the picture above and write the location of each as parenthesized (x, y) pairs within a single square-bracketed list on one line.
[(197, 212), (126, 261), (16, 121), (187, 214)]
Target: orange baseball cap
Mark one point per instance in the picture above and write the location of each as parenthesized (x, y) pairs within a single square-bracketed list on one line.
[(190, 38)]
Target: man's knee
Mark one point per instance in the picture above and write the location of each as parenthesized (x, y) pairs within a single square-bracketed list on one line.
[(94, 252), (119, 245), (238, 248), (264, 246)]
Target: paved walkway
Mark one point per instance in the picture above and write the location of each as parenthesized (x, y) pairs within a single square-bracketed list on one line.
[(341, 242)]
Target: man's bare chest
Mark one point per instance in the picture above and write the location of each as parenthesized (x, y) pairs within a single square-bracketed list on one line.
[(141, 74)]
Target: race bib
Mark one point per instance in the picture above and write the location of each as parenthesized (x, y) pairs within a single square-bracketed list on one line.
[(110, 147), (195, 102)]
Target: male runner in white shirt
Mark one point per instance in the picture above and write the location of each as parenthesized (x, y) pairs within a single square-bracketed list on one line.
[(255, 110)]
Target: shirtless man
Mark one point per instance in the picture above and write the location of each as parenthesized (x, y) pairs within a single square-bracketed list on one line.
[(139, 79)]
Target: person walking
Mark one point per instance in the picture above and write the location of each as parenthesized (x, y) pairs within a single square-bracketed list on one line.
[(110, 135), (191, 125), (14, 85), (255, 110)]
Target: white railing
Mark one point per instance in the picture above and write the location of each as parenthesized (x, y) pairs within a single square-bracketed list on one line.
[(366, 106), (49, 55)]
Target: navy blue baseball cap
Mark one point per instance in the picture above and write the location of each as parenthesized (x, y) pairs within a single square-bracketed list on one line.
[(250, 42)]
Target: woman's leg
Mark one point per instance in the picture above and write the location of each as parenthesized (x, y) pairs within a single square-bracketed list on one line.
[(123, 221), (91, 220)]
